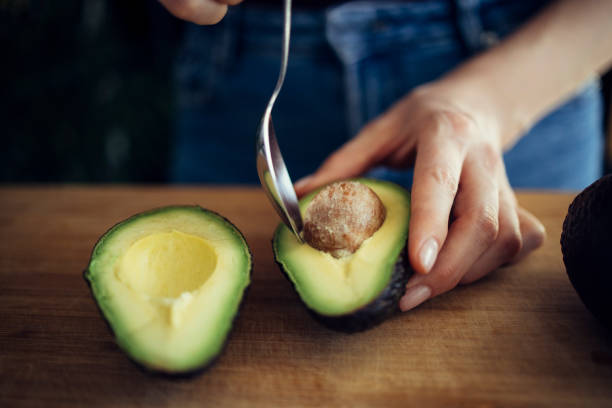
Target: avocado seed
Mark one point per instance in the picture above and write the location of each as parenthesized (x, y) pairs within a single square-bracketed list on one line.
[(341, 216)]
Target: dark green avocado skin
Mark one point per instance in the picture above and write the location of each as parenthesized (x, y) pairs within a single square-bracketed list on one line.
[(378, 310), (586, 243)]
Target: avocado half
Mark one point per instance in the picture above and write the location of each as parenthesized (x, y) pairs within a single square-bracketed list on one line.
[(361, 290), (169, 283), (586, 244)]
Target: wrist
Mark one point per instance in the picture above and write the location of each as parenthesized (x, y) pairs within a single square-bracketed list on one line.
[(473, 97), (497, 108)]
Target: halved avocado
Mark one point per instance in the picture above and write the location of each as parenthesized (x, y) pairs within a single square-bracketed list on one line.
[(169, 283), (361, 290)]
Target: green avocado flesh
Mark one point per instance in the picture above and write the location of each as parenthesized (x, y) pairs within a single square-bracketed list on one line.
[(169, 283), (337, 287)]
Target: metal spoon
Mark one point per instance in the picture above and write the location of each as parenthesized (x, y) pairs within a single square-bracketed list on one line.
[(271, 167)]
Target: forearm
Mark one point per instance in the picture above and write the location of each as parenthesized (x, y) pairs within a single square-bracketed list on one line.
[(539, 66)]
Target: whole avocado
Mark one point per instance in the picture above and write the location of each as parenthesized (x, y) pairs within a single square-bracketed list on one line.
[(586, 243)]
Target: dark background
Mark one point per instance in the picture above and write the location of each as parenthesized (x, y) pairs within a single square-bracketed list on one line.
[(86, 92)]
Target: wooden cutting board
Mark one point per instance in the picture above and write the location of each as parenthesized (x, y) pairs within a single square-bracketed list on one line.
[(518, 338)]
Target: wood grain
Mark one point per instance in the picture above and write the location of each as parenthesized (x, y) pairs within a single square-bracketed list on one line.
[(518, 338)]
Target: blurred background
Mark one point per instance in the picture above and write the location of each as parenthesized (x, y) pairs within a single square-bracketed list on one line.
[(86, 91)]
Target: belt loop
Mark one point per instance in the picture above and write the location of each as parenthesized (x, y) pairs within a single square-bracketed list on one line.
[(469, 24)]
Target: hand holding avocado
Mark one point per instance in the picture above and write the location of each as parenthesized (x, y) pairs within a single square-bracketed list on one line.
[(459, 175)]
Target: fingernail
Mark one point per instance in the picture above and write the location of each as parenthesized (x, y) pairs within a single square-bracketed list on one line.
[(428, 254), (303, 182), (414, 297)]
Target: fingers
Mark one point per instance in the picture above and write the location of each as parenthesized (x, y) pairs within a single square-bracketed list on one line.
[(519, 234), (532, 231), (370, 147), (530, 234), (509, 240), (229, 2), (436, 179), (198, 11), (471, 234)]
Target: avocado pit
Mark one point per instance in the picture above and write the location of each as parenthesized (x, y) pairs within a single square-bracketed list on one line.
[(341, 217)]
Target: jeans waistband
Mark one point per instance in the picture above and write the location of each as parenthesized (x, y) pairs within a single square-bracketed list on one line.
[(356, 29), (262, 26)]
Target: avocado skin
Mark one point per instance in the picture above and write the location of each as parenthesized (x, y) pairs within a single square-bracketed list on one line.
[(157, 372), (375, 312), (586, 244)]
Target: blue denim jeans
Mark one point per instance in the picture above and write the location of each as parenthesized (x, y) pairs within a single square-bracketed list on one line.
[(347, 65)]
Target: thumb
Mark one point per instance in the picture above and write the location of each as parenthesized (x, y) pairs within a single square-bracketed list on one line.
[(369, 148)]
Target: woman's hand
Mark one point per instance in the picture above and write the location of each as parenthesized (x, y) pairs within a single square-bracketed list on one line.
[(199, 11), (465, 220)]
